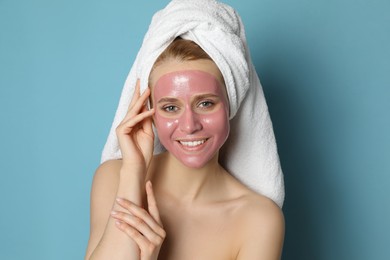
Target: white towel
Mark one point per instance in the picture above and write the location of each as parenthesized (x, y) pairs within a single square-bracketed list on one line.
[(250, 153)]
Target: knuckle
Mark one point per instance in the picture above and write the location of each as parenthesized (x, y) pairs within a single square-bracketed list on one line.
[(151, 247), (143, 213), (126, 228), (132, 232), (119, 214), (157, 240), (125, 203), (138, 221)]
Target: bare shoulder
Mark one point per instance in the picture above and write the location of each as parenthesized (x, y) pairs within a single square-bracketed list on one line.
[(254, 207), (106, 169), (261, 232), (257, 207)]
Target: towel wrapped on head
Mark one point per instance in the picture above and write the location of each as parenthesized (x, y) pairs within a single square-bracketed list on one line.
[(250, 153)]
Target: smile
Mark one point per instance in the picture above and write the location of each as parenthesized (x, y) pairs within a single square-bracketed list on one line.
[(192, 143)]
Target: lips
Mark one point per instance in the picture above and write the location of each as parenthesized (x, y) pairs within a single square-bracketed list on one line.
[(192, 143)]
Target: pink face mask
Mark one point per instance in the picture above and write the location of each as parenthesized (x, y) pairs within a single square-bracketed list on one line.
[(192, 115)]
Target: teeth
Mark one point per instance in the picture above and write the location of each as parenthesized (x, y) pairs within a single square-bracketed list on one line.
[(192, 144)]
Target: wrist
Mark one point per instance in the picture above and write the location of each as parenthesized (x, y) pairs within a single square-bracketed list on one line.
[(132, 169), (131, 177), (131, 188)]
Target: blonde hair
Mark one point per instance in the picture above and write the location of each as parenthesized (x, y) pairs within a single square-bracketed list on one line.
[(182, 50)]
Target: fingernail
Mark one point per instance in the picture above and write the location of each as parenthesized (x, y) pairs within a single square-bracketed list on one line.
[(114, 212), (119, 199), (117, 222)]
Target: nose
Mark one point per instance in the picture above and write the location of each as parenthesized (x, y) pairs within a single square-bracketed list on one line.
[(189, 122)]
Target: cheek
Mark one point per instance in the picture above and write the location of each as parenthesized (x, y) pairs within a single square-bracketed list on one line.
[(217, 123), (165, 126)]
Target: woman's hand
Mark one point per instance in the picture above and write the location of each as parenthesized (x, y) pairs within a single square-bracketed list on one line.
[(135, 133), (144, 227)]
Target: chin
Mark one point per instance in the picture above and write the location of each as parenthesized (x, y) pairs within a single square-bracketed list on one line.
[(195, 162)]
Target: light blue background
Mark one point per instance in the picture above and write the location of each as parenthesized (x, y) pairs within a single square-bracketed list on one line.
[(325, 69)]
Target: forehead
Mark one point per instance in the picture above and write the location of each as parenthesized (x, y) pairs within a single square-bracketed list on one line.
[(187, 83), (177, 66)]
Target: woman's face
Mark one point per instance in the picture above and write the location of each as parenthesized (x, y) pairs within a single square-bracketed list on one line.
[(192, 110)]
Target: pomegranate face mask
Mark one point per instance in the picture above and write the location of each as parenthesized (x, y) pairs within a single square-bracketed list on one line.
[(192, 115)]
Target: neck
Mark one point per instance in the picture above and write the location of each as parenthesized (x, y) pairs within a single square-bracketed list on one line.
[(186, 184)]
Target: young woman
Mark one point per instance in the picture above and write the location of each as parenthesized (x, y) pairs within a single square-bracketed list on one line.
[(196, 209)]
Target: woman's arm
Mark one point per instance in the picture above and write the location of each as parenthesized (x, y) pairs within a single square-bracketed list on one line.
[(143, 226), (126, 181), (106, 240)]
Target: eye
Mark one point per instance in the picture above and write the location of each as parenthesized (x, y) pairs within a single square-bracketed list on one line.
[(170, 108), (206, 104)]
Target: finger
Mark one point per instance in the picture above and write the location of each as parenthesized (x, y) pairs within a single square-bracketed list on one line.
[(127, 125), (138, 238), (143, 215), (140, 225), (136, 95), (152, 204), (138, 105), (147, 125)]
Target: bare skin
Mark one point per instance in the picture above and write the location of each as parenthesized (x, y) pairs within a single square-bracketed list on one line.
[(191, 213)]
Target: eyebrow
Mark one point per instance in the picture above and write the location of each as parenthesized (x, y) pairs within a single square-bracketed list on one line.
[(201, 96), (167, 100)]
